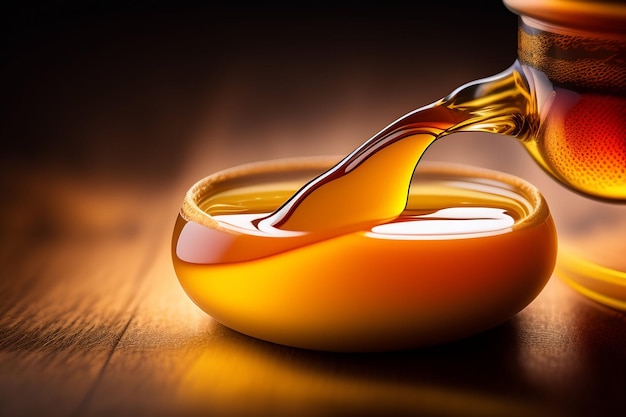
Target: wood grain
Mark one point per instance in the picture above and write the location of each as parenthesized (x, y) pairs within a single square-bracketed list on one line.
[(95, 323), (69, 292)]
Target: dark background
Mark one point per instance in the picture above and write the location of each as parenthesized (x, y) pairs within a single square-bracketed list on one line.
[(125, 89)]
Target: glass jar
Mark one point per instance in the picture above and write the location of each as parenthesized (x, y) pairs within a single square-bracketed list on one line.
[(574, 52)]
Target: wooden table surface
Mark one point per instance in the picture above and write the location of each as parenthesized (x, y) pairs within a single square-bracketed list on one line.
[(110, 114)]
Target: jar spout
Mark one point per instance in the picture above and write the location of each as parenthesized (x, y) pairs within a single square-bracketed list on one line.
[(504, 103)]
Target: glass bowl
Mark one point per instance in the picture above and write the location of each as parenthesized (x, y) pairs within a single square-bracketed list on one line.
[(473, 248)]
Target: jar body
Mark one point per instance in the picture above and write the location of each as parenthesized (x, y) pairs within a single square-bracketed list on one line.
[(574, 54)]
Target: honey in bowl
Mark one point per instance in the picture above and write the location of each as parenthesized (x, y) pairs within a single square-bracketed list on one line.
[(469, 250)]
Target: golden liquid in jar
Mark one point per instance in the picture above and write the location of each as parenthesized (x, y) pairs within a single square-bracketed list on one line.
[(581, 138), (584, 141)]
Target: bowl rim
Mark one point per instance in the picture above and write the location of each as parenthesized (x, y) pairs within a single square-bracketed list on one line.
[(537, 205)]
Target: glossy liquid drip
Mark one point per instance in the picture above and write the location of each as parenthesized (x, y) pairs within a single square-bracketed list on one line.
[(580, 139), (371, 184)]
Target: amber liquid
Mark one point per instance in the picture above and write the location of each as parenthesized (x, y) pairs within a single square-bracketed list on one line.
[(458, 259)]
